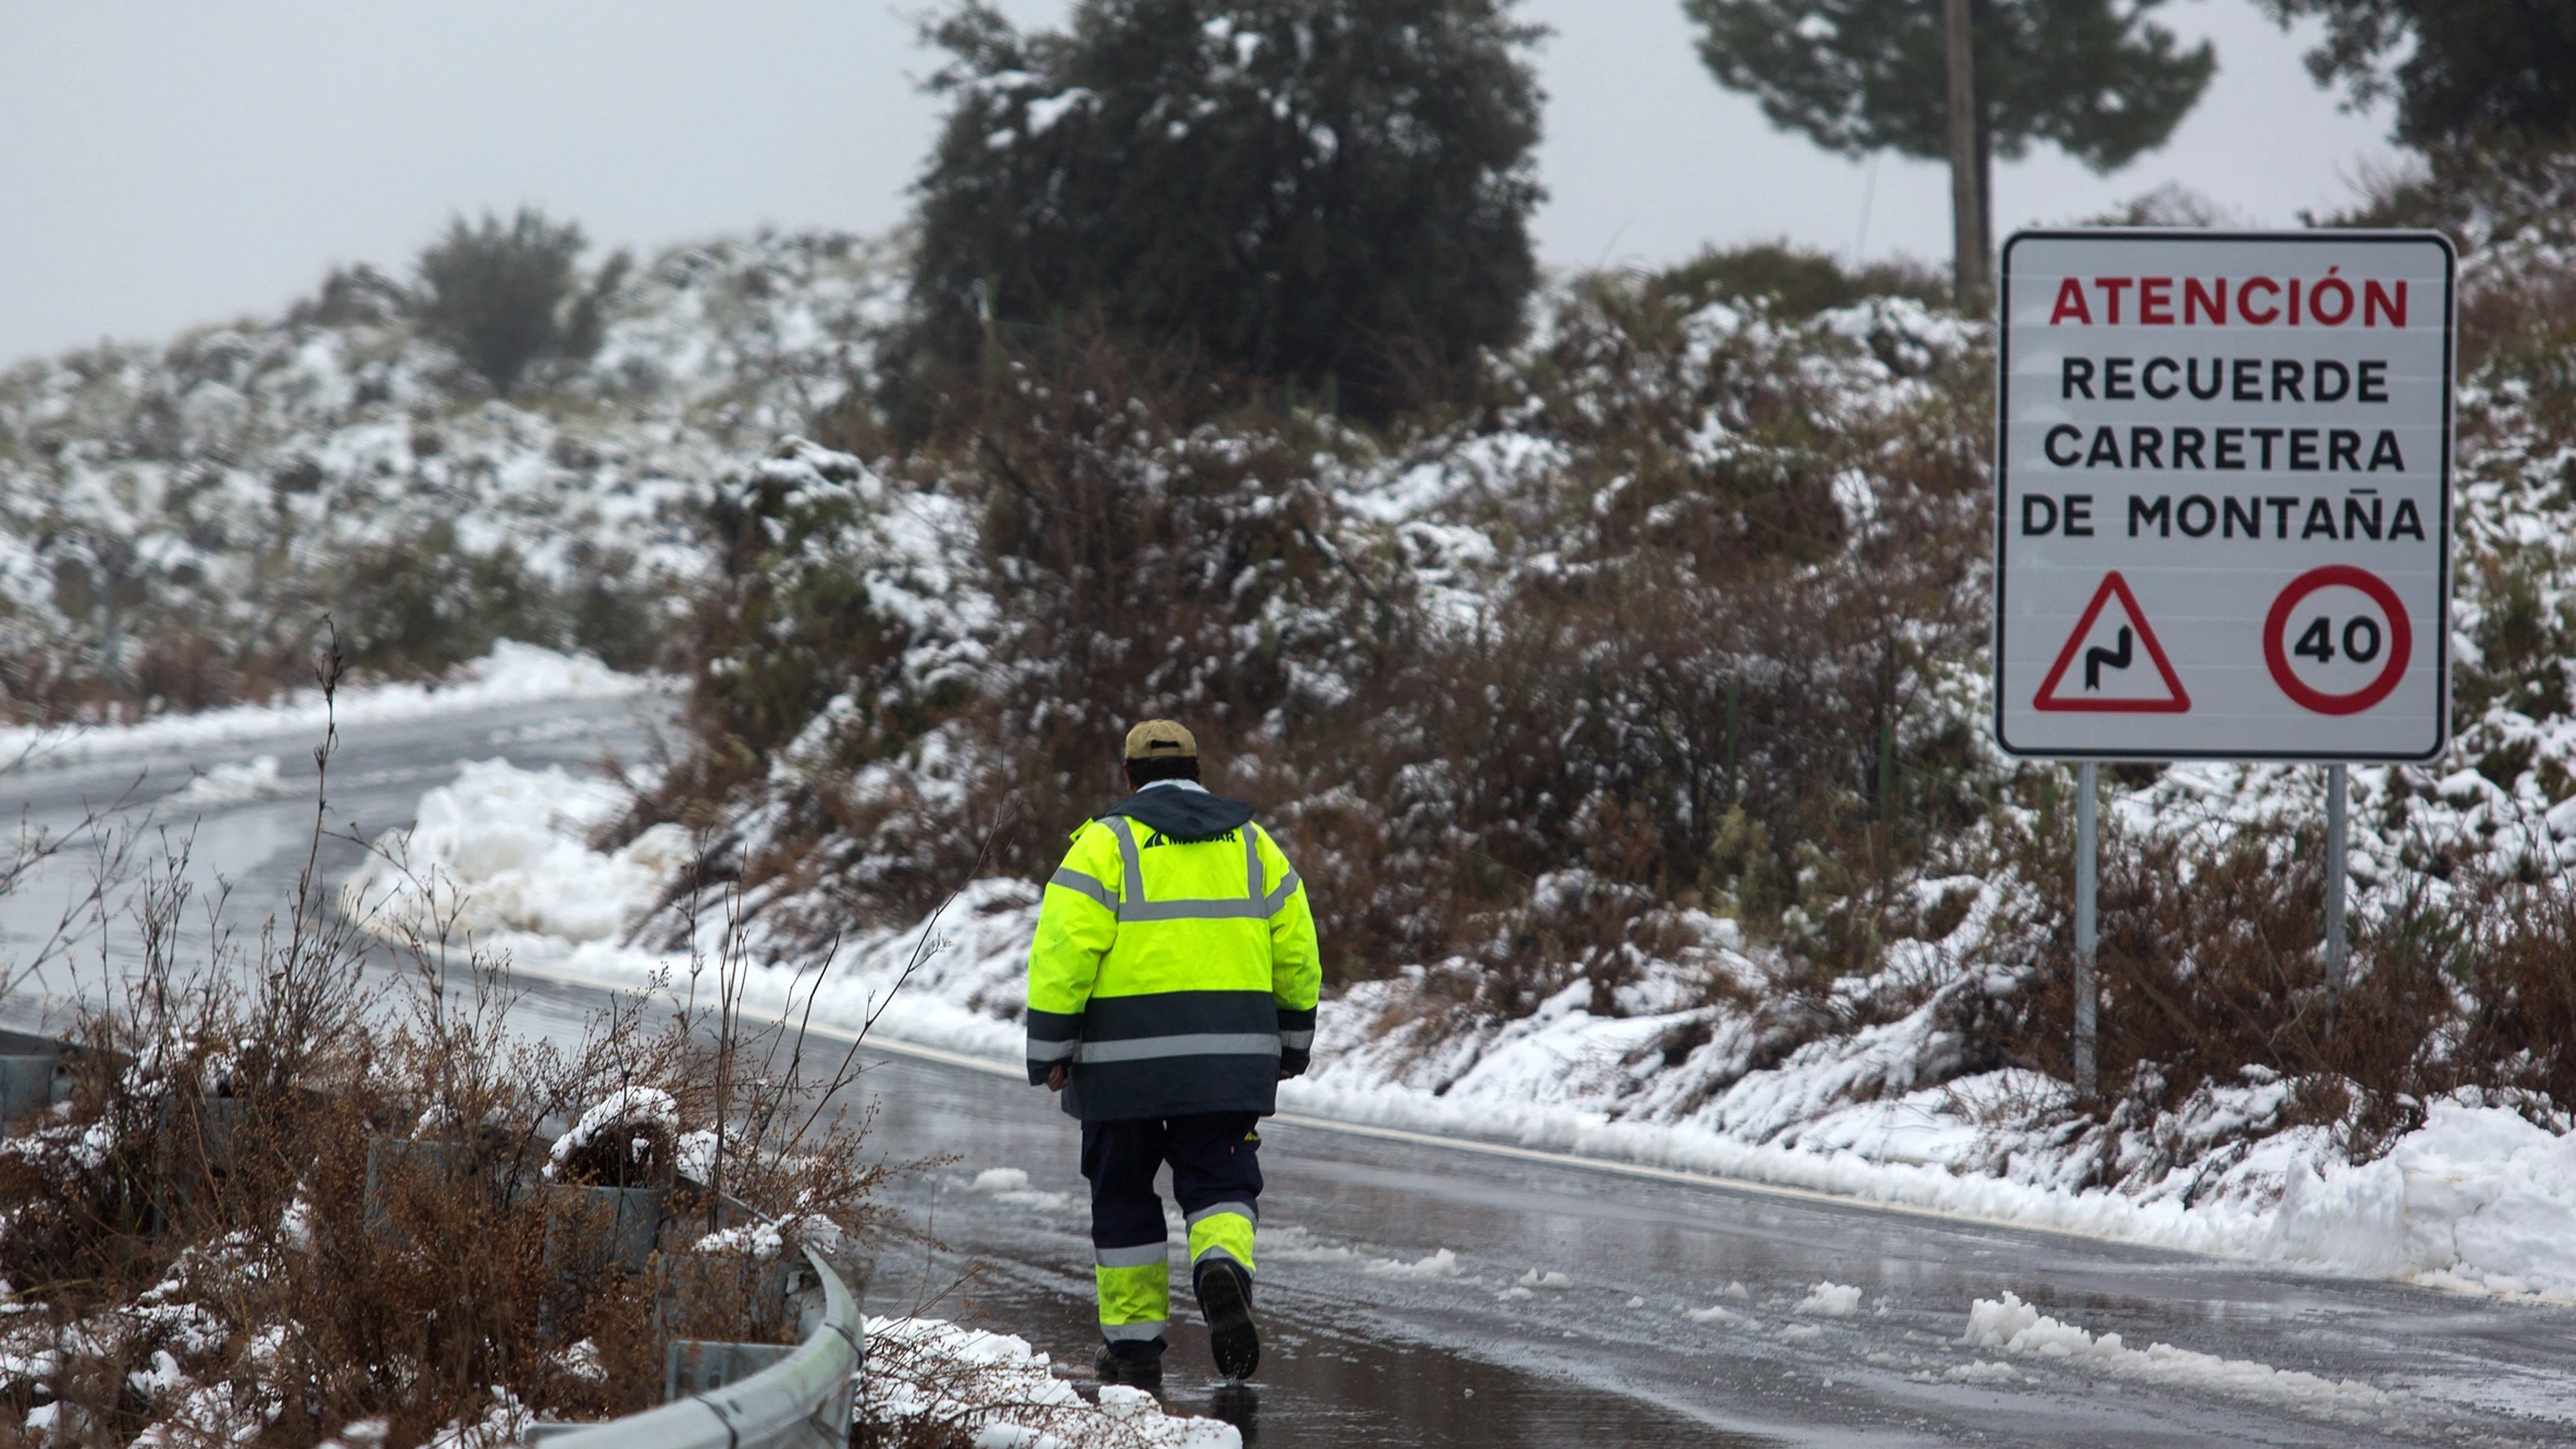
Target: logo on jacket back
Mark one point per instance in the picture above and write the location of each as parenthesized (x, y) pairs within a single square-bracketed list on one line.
[(1231, 837)]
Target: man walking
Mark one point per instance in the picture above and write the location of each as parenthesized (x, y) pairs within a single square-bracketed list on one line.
[(1171, 989)]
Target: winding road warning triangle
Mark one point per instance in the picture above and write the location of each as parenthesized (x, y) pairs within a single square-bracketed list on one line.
[(2103, 654)]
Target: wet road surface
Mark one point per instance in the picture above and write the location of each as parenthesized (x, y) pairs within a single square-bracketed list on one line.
[(1615, 1352), (1374, 1337)]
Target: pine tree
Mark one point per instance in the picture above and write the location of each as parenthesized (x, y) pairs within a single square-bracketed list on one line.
[(1331, 193), (2095, 78), (2497, 69)]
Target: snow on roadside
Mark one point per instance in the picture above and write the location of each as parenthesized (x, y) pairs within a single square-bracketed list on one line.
[(512, 673), (516, 836), (993, 1389), (2476, 1199), (502, 852)]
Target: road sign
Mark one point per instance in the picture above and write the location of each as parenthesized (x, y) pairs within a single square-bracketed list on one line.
[(2110, 634), (2223, 521), (2378, 641)]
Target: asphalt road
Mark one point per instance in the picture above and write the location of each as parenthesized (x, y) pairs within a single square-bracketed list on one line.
[(1373, 1337)]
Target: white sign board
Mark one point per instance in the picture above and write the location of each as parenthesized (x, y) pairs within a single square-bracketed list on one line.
[(2223, 528)]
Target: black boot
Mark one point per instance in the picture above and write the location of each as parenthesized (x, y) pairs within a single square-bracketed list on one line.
[(1225, 1298), (1139, 1365)]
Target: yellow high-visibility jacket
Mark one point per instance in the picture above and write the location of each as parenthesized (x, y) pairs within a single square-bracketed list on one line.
[(1175, 966)]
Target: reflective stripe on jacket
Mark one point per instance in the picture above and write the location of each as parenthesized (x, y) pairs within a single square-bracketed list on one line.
[(1174, 976)]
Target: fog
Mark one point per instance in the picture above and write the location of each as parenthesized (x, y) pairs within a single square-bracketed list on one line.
[(178, 164)]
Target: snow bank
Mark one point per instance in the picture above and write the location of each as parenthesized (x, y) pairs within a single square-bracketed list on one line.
[(2477, 1198), (512, 674), (501, 849), (499, 859), (2220, 1229)]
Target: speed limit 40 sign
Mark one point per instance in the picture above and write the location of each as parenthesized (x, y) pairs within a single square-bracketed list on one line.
[(2223, 528)]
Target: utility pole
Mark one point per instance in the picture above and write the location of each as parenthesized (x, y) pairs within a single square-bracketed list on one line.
[(1967, 225)]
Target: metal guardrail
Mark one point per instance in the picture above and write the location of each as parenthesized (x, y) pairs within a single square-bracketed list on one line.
[(32, 1073), (801, 1402)]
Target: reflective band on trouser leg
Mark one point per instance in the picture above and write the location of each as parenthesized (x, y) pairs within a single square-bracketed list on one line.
[(1224, 1228), (1135, 1288)]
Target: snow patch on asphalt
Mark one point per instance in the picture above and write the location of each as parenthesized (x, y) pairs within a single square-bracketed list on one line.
[(1830, 1300), (1010, 1187), (225, 786), (2012, 1327), (1441, 1263), (1293, 1243), (2477, 1198)]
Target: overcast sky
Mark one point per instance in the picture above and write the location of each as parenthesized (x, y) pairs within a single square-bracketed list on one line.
[(177, 163)]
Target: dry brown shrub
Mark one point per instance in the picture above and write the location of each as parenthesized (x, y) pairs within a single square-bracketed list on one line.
[(2520, 1035), (2211, 963)]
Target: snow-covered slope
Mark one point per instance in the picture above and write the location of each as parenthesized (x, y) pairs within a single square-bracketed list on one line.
[(214, 497)]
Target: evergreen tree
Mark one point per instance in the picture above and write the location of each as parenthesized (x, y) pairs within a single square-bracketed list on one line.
[(2478, 68), (2094, 77), (505, 298), (1332, 192)]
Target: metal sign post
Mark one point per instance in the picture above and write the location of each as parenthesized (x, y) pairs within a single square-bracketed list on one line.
[(2337, 788), (2087, 885), (2222, 524)]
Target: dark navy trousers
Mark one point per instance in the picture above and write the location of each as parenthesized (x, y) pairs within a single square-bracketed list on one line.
[(1215, 1159)]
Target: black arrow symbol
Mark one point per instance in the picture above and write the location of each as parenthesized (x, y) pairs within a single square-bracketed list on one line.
[(2094, 659)]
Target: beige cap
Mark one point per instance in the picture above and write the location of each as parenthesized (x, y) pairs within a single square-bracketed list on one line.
[(1161, 739)]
